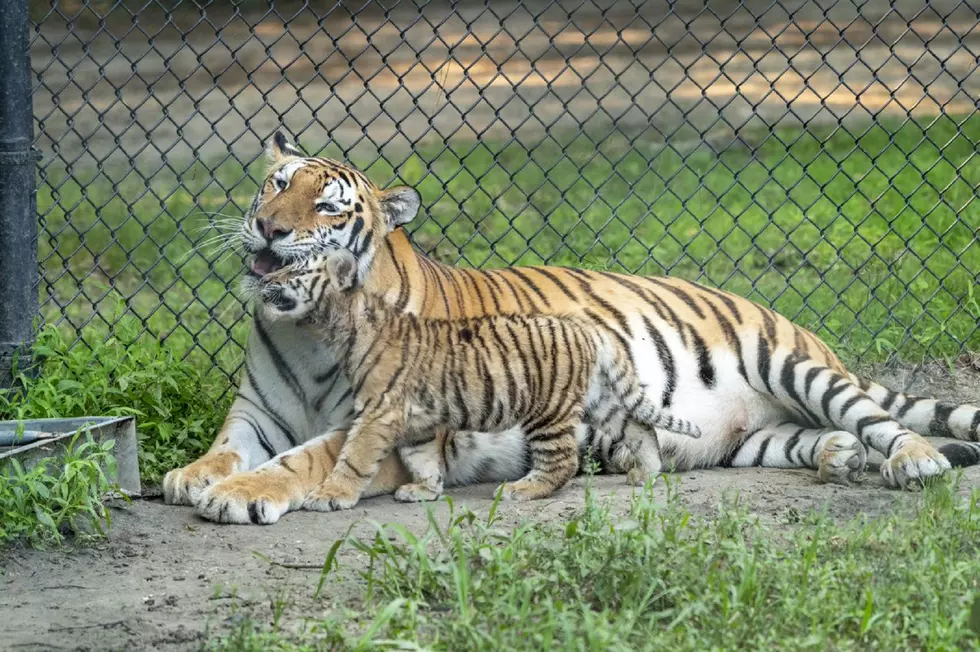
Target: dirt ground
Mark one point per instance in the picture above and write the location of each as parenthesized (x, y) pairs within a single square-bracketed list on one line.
[(166, 580)]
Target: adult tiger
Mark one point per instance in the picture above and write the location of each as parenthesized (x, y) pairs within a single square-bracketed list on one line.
[(764, 391)]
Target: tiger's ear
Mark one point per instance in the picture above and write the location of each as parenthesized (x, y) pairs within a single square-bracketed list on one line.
[(342, 266), (279, 148), (399, 205)]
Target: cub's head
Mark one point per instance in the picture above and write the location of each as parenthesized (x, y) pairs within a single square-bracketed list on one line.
[(295, 292), (309, 205)]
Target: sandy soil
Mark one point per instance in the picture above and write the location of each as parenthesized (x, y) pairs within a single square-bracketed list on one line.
[(165, 580)]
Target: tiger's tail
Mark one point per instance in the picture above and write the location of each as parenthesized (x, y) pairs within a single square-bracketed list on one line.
[(933, 418)]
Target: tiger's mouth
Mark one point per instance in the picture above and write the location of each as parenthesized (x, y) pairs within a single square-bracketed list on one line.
[(265, 262)]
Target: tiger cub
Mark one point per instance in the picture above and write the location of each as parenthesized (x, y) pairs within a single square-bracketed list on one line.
[(411, 376)]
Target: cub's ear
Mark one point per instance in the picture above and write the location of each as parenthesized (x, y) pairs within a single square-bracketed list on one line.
[(279, 148), (399, 205), (342, 266)]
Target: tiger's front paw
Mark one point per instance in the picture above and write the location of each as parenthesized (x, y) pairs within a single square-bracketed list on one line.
[(913, 464), (185, 485), (331, 496), (244, 498)]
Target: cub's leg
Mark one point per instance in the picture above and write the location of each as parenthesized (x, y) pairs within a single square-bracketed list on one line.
[(425, 462), (554, 460), (837, 455), (281, 485), (638, 454), (369, 441)]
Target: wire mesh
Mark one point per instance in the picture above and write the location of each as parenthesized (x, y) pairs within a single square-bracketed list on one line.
[(816, 157)]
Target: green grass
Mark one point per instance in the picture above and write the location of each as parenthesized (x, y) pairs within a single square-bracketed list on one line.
[(659, 578), (867, 236), (178, 406), (56, 496)]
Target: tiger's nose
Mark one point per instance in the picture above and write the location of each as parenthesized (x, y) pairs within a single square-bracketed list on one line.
[(271, 231)]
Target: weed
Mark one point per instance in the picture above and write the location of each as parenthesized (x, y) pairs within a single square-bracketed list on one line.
[(660, 578), (57, 495), (178, 407)]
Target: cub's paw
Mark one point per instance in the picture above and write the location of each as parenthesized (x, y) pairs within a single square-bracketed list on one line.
[(913, 465), (184, 486), (417, 492), (243, 498), (525, 490), (637, 477), (842, 459), (330, 497)]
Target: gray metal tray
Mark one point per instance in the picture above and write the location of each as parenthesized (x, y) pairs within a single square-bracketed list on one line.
[(59, 432)]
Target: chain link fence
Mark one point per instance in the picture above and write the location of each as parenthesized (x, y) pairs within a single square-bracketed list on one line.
[(817, 157)]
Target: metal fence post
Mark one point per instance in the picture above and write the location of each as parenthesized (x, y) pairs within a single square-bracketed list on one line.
[(18, 203)]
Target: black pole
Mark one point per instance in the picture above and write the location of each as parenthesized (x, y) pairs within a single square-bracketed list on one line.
[(18, 202)]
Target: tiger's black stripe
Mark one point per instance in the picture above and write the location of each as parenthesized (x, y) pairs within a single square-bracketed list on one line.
[(403, 281), (731, 337), (266, 408), (837, 385), (706, 370), (618, 316), (516, 271), (764, 362), (520, 296), (787, 378), (791, 444), (686, 298), (282, 368), (762, 451), (556, 281), (939, 427), (457, 292), (494, 288), (666, 360), (723, 296), (910, 402), (259, 432)]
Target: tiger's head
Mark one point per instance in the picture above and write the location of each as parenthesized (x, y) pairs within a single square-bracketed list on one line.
[(309, 205), (298, 291)]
